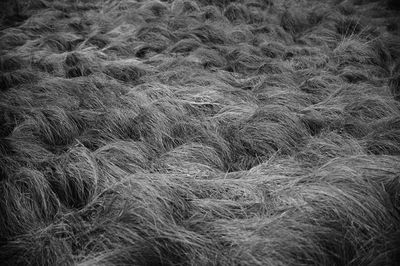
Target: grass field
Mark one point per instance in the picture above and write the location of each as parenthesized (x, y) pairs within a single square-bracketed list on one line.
[(200, 132)]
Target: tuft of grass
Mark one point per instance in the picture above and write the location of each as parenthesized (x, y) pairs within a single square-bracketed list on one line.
[(236, 13), (77, 64), (209, 58), (293, 21), (128, 70), (184, 7), (15, 78), (384, 139), (27, 202)]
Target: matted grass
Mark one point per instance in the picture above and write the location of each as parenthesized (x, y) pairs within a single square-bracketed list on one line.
[(199, 132)]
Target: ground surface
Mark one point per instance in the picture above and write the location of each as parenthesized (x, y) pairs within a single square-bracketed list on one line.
[(203, 132)]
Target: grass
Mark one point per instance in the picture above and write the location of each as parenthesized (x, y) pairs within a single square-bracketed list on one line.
[(199, 132)]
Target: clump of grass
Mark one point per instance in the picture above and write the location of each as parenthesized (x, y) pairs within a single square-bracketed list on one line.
[(27, 202), (12, 38), (347, 27), (351, 50), (192, 153), (210, 58), (128, 70), (60, 43), (15, 78), (130, 157), (185, 46), (272, 49), (353, 75), (158, 9), (241, 35), (236, 13), (54, 126), (74, 177), (78, 64), (384, 138), (261, 135), (182, 7), (293, 21), (245, 59), (372, 109), (52, 248), (9, 62), (209, 34), (151, 32), (211, 13), (329, 145)]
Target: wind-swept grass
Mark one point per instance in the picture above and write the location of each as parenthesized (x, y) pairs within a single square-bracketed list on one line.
[(199, 132)]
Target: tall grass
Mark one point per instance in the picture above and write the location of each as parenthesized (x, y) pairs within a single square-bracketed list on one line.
[(199, 132)]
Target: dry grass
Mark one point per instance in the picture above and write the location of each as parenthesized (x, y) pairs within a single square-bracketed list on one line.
[(199, 132)]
